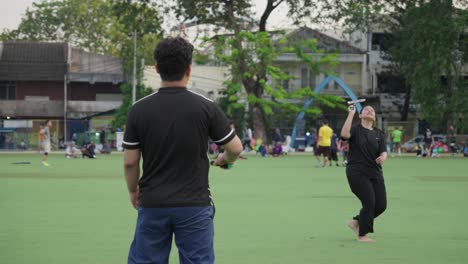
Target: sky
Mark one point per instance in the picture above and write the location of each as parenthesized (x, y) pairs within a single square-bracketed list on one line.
[(12, 10)]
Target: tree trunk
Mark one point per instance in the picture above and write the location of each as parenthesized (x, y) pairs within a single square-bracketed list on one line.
[(258, 120), (405, 110), (271, 5), (252, 85), (448, 114)]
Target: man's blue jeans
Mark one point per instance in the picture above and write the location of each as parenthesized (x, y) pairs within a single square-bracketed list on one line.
[(192, 228)]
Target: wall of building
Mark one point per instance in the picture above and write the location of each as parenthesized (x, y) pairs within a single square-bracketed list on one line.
[(87, 92), (350, 73), (55, 90), (51, 89)]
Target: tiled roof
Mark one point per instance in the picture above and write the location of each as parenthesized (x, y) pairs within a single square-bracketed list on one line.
[(325, 42), (43, 61), (33, 52), (32, 61)]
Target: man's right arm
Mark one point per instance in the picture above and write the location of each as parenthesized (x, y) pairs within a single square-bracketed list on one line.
[(232, 150)]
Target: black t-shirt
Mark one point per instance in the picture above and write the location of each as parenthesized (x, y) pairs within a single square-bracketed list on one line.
[(171, 128), (365, 146), (277, 137), (428, 137)]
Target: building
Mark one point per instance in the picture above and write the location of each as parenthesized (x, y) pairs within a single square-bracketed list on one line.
[(351, 68), (56, 81), (205, 79)]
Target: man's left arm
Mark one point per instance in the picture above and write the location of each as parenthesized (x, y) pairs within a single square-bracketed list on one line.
[(132, 153)]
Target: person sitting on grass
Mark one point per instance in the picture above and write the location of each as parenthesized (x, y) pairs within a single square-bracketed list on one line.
[(88, 150), (277, 150), (71, 151), (465, 149), (263, 149)]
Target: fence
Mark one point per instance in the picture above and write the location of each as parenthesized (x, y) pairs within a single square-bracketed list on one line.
[(409, 129)]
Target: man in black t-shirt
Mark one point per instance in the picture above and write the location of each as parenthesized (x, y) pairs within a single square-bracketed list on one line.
[(170, 130)]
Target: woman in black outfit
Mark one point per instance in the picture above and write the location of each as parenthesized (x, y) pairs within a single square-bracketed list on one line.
[(367, 152), (428, 140)]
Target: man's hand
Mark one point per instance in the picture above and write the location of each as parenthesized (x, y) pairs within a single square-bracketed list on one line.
[(135, 198), (220, 161)]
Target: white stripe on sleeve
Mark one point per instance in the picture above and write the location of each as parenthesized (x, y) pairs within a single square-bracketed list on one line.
[(224, 138), (131, 143)]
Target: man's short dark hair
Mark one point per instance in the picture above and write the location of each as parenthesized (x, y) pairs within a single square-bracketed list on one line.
[(173, 56), (325, 121)]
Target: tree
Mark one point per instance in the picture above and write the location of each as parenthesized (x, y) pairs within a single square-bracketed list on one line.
[(120, 116), (252, 55), (262, 53), (433, 66), (66, 21), (417, 28), (140, 17)]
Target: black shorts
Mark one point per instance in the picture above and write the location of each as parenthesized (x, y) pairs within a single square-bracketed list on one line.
[(334, 155), (427, 145), (326, 151)]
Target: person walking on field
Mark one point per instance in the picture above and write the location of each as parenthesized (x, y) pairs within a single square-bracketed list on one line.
[(335, 146), (39, 138), (46, 141), (367, 153), (396, 138), (324, 144), (170, 130)]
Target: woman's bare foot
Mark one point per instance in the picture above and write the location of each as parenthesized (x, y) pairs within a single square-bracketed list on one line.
[(354, 226), (365, 239)]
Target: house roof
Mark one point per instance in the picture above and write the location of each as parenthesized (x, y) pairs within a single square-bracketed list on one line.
[(324, 42), (33, 52), (45, 61), (32, 61)]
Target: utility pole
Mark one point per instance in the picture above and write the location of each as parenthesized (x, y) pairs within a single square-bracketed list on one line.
[(142, 72), (65, 107), (134, 68)]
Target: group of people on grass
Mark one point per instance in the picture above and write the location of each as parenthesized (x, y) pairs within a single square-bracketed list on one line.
[(171, 192), (86, 151), (327, 146), (173, 196), (71, 151), (430, 146)]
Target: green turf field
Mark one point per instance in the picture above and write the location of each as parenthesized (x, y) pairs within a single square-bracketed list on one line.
[(268, 210)]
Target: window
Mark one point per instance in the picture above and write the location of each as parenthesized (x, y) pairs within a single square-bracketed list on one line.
[(7, 90), (285, 83), (312, 82), (380, 41), (389, 83), (304, 79)]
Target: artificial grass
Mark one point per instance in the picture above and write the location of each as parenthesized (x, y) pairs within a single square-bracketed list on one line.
[(268, 210)]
